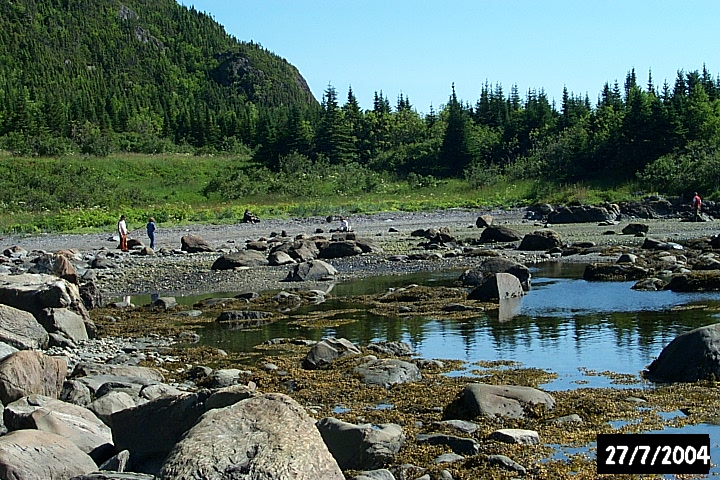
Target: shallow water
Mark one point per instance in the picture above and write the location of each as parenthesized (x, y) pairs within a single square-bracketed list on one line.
[(580, 330)]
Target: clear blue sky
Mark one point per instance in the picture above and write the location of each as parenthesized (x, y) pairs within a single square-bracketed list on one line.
[(420, 47)]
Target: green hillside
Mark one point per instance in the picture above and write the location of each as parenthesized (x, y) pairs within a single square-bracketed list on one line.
[(79, 69)]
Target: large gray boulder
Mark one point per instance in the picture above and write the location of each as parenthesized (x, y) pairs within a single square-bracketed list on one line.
[(77, 424), (27, 371), (269, 436), (326, 351), (149, 431), (691, 356), (386, 372), (361, 447), (340, 249), (583, 214), (314, 270), (35, 292), (21, 330), (476, 276), (64, 321), (194, 244), (498, 233), (245, 258), (541, 240), (479, 399), (34, 455)]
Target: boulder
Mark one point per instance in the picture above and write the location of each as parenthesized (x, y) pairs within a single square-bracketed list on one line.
[(484, 221), (194, 244), (386, 372), (582, 214), (516, 435), (35, 292), (689, 357), (476, 275), (34, 455), (618, 272), (459, 445), (245, 258), (75, 423), (314, 270), (700, 281), (65, 321), (21, 330), (151, 430), (26, 372), (498, 286), (635, 229), (340, 249), (326, 351), (479, 399), (269, 436), (498, 233), (541, 240), (361, 447), (280, 258)]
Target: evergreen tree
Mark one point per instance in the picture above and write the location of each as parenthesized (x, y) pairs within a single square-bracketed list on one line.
[(454, 153)]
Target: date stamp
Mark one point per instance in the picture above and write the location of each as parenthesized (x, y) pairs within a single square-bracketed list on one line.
[(653, 453)]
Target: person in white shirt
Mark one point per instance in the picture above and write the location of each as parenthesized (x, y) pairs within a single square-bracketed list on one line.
[(344, 225), (123, 232)]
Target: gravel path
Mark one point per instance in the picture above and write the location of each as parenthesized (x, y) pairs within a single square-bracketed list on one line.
[(178, 274)]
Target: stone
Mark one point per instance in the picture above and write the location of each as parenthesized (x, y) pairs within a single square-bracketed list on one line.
[(269, 436), (73, 422), (506, 463), (26, 372), (498, 233), (476, 275), (484, 221), (516, 435), (689, 357), (499, 286), (340, 249), (245, 258), (479, 399), (361, 447), (386, 372), (65, 321), (34, 454), (314, 270), (541, 240), (326, 351), (194, 244), (20, 329), (459, 445)]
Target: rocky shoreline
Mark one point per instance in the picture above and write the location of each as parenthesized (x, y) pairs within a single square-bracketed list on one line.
[(145, 395)]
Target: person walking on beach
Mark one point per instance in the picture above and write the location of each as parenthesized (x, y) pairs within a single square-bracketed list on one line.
[(123, 232), (696, 205), (151, 232)]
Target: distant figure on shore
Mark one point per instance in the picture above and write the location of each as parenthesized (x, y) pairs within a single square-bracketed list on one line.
[(249, 217), (696, 205), (123, 233), (151, 232), (344, 225)]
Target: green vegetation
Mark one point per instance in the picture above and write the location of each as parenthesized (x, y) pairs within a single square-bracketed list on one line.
[(147, 106)]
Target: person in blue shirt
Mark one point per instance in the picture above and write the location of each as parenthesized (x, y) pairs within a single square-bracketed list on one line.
[(151, 232)]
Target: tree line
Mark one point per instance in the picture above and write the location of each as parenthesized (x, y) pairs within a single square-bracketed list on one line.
[(152, 76)]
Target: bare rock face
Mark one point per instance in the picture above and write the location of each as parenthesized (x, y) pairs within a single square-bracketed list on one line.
[(33, 454), (19, 329), (269, 436), (35, 292), (26, 372), (691, 356)]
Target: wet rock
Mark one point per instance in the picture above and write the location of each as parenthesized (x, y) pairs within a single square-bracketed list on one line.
[(506, 463), (583, 214), (651, 284), (689, 357), (499, 286), (635, 228), (314, 270), (361, 447), (614, 272), (379, 474), (329, 349), (340, 249), (476, 275), (701, 281), (398, 349)]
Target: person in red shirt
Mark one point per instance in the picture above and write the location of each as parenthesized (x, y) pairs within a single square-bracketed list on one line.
[(697, 205)]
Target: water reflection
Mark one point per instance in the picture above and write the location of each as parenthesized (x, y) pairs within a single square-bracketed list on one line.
[(564, 324)]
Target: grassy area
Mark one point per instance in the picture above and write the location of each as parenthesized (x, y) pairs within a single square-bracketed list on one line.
[(79, 194)]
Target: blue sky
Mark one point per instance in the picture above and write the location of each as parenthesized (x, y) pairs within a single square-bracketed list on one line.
[(420, 47)]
